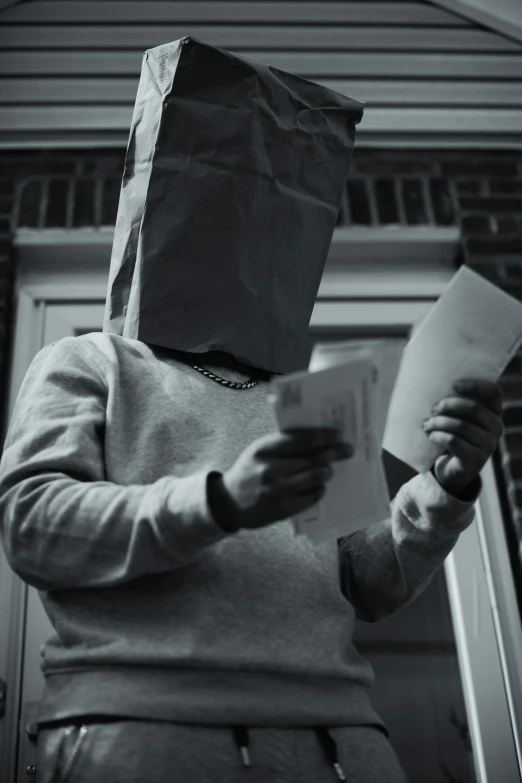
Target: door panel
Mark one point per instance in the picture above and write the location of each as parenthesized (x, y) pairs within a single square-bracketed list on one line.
[(63, 320), (418, 689)]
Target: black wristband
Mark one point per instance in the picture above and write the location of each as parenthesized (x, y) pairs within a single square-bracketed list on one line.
[(218, 502)]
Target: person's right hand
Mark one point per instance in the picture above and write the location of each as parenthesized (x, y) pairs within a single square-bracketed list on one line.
[(280, 475)]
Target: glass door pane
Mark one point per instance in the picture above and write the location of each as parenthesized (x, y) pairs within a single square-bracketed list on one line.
[(418, 690)]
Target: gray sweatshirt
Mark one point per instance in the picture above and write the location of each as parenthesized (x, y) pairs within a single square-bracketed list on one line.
[(158, 612)]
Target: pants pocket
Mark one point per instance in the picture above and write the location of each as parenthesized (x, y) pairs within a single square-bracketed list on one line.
[(59, 753)]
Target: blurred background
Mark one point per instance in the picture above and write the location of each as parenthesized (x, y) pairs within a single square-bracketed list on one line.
[(436, 181)]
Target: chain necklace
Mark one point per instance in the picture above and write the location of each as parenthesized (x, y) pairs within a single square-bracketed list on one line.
[(224, 382)]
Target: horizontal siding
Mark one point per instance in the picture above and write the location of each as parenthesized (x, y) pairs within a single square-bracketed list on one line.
[(116, 118), (245, 37), (70, 65), (149, 12), (390, 92), (311, 65)]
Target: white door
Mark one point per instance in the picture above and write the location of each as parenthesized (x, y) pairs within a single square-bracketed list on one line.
[(464, 579), (61, 320)]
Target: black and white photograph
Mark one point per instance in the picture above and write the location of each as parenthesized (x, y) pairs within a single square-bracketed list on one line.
[(260, 391)]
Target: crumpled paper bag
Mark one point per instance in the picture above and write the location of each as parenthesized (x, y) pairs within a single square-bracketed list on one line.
[(232, 185)]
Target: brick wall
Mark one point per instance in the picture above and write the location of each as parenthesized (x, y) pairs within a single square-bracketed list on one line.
[(479, 191)]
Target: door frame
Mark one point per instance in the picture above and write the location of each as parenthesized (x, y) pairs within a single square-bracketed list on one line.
[(389, 279)]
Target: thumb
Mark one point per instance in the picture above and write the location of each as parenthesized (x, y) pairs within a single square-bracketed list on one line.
[(441, 467)]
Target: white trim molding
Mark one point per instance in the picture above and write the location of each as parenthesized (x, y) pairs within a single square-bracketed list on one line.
[(384, 263)]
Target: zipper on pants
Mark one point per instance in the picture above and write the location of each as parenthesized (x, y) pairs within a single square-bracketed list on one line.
[(72, 758)]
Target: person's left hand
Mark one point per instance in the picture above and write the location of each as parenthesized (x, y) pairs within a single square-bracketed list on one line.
[(469, 425)]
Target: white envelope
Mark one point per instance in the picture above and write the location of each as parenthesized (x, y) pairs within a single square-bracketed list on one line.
[(473, 331), (357, 493), (385, 356)]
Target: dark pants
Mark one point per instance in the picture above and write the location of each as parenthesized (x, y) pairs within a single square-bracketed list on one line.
[(137, 751)]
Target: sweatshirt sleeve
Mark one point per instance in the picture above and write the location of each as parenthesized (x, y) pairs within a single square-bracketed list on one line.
[(62, 523), (386, 566)]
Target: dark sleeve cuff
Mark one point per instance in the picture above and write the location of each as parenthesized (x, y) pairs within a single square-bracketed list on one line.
[(468, 494), (217, 502)]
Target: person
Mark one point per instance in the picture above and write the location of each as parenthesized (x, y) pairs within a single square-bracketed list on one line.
[(147, 494)]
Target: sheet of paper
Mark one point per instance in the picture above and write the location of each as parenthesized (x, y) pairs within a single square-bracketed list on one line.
[(385, 356), (473, 331), (341, 396)]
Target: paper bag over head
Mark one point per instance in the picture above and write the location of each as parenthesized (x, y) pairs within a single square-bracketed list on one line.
[(233, 180)]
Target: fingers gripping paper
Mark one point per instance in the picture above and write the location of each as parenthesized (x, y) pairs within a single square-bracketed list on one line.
[(369, 391), (343, 396), (473, 331), (232, 185)]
